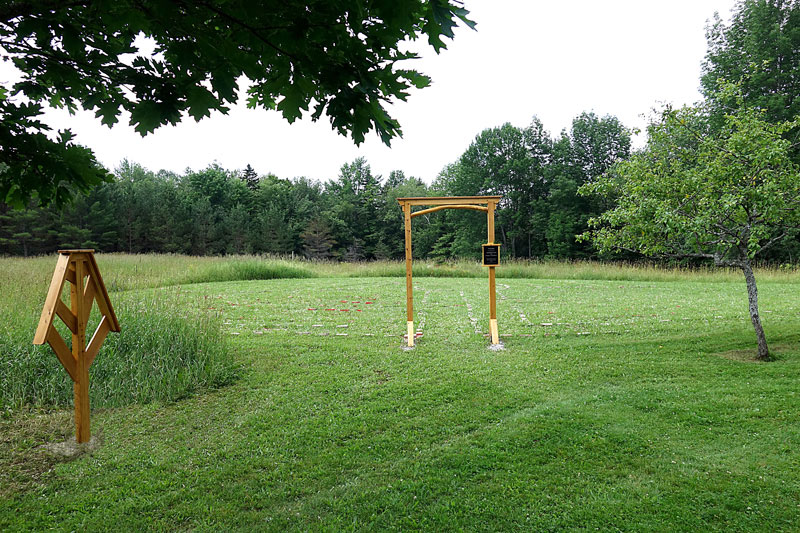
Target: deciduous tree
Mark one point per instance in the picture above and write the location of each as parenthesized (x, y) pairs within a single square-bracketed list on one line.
[(340, 58), (761, 47), (727, 195)]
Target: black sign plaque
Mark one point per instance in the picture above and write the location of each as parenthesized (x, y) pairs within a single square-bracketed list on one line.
[(491, 255)]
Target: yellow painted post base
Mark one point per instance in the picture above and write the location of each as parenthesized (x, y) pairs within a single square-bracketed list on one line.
[(411, 333), (493, 329)]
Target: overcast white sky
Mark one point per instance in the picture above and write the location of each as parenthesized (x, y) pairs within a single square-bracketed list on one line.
[(553, 59)]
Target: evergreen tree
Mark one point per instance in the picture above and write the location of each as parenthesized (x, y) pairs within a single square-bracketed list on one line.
[(250, 178), (317, 240)]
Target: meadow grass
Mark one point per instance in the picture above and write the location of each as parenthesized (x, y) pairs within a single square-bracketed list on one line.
[(616, 405), (123, 272), (166, 350), (626, 402)]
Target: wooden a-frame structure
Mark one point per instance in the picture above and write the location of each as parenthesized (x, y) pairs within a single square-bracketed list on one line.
[(79, 268), (487, 204)]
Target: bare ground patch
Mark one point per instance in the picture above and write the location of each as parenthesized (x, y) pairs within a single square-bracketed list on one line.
[(777, 352), (27, 440)]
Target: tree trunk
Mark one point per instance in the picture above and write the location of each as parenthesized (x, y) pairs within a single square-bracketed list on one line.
[(752, 297)]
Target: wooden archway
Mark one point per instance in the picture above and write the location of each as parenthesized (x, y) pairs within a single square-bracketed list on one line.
[(488, 204)]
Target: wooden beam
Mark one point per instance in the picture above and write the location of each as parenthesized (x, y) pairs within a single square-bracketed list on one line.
[(99, 336), (447, 200), (53, 296), (103, 301), (492, 296), (88, 297), (77, 304), (63, 353), (81, 385), (492, 286), (440, 207), (71, 275), (490, 222), (66, 315)]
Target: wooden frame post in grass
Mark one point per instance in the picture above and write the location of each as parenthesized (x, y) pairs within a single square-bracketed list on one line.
[(79, 268), (491, 251)]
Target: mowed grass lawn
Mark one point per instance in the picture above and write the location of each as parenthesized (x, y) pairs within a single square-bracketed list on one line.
[(616, 405)]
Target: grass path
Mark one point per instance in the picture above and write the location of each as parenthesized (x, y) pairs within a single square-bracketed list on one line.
[(612, 407)]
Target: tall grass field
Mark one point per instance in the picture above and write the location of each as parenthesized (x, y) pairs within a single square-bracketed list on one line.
[(250, 393)]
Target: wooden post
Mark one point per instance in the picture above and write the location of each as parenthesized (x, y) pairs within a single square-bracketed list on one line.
[(492, 288), (81, 386), (78, 267), (409, 282)]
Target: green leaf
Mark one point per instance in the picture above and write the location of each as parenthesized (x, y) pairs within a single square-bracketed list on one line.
[(199, 102), (293, 103), (146, 116)]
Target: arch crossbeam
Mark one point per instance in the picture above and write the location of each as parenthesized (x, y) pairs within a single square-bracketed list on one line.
[(440, 207)]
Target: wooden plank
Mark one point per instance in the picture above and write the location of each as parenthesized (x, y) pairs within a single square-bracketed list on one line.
[(66, 315), (447, 200), (71, 276), (494, 332), (440, 207), (99, 336), (53, 295), (102, 299), (63, 353), (76, 306), (88, 296)]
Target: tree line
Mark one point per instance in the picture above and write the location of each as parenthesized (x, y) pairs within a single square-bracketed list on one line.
[(354, 216)]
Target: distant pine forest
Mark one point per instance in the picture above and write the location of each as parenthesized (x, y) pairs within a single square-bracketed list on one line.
[(354, 216)]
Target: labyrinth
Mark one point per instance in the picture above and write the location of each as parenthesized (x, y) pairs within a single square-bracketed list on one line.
[(448, 309)]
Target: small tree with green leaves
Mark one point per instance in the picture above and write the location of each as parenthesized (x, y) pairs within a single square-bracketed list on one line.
[(727, 195)]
